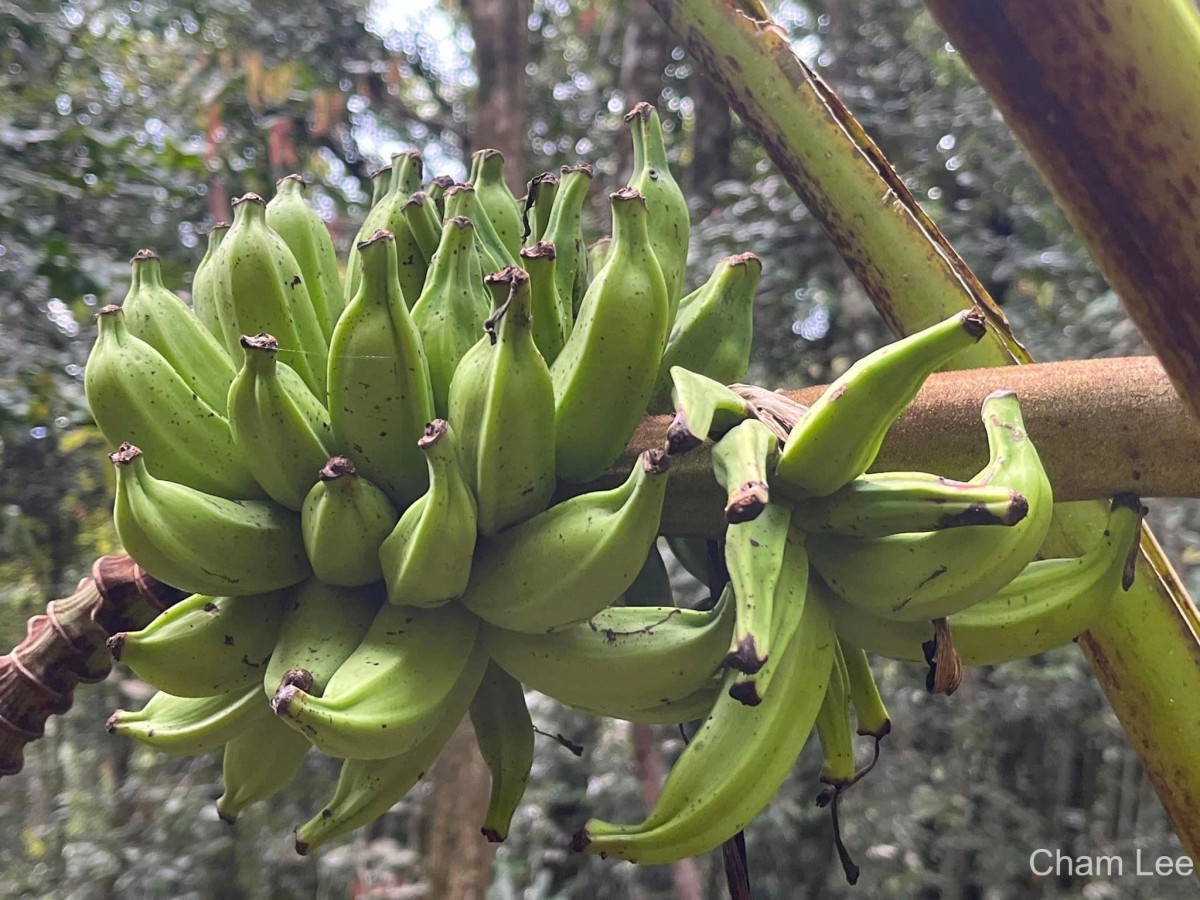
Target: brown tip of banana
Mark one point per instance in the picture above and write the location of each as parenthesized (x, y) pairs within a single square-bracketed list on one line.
[(442, 181), (416, 198), (297, 178), (110, 724), (248, 198), (219, 226), (980, 514), (679, 438), (581, 840), (742, 259), (974, 323), (540, 250), (581, 168), (433, 433), (492, 835), (747, 502), (260, 341), (124, 455), (460, 187), (116, 644), (627, 195), (281, 702), (1130, 500), (381, 234), (641, 108), (745, 658), (655, 461), (301, 847), (879, 733), (337, 467), (143, 255), (110, 309), (302, 679), (745, 692), (224, 815)]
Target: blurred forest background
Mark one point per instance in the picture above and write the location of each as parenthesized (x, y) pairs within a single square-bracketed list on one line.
[(131, 124)]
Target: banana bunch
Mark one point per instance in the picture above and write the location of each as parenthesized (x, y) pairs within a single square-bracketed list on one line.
[(368, 481)]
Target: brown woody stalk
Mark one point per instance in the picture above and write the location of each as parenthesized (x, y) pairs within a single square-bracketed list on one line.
[(65, 646)]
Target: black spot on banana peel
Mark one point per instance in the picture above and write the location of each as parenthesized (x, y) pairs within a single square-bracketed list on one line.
[(580, 840), (745, 658), (1131, 501), (980, 514)]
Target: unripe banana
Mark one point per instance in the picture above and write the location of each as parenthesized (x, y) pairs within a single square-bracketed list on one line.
[(923, 576), (625, 656), (713, 329), (380, 180), (703, 408), (261, 288), (452, 308), (652, 586), (204, 285), (502, 399), (597, 253), (869, 710), (896, 502), (426, 559), (259, 763), (462, 202), (278, 426), (344, 520), (566, 564), (308, 238), (162, 320), (204, 645), (388, 215), (693, 555), (387, 696), (565, 231), (693, 707), (202, 543), (670, 225), (426, 225), (366, 789), (604, 375), (539, 201), (379, 391), (840, 435), (734, 764), (188, 726), (496, 200), (754, 557), (835, 727), (547, 307), (504, 733), (135, 395), (437, 192), (1050, 603), (321, 626), (741, 460)]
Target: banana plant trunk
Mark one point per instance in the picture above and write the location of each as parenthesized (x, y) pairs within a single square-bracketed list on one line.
[(1144, 651)]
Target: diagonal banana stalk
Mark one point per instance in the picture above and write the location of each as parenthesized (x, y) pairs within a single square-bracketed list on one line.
[(1145, 650)]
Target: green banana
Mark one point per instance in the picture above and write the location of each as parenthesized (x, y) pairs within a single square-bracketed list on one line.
[(188, 726), (787, 605), (344, 520), (693, 555), (278, 426), (495, 199), (869, 709), (321, 626), (202, 543), (380, 179), (379, 389), (426, 559), (734, 764), (204, 286), (754, 557), (387, 696), (1050, 603), (539, 200), (691, 708), (604, 375), (896, 502), (835, 727), (366, 789), (259, 762), (261, 288), (135, 395), (840, 435), (925, 575), (307, 236), (670, 224), (463, 201), (388, 215), (163, 321), (502, 400), (703, 408), (425, 224), (549, 325), (741, 459), (564, 230), (597, 253), (652, 586), (452, 308), (504, 733), (437, 192), (713, 329), (627, 656), (566, 564), (204, 645)]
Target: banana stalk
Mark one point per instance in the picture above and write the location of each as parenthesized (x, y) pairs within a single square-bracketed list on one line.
[(1145, 650)]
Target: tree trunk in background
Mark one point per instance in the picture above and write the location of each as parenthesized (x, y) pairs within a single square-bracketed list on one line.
[(712, 140), (647, 762), (644, 54), (457, 858), (500, 30)]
